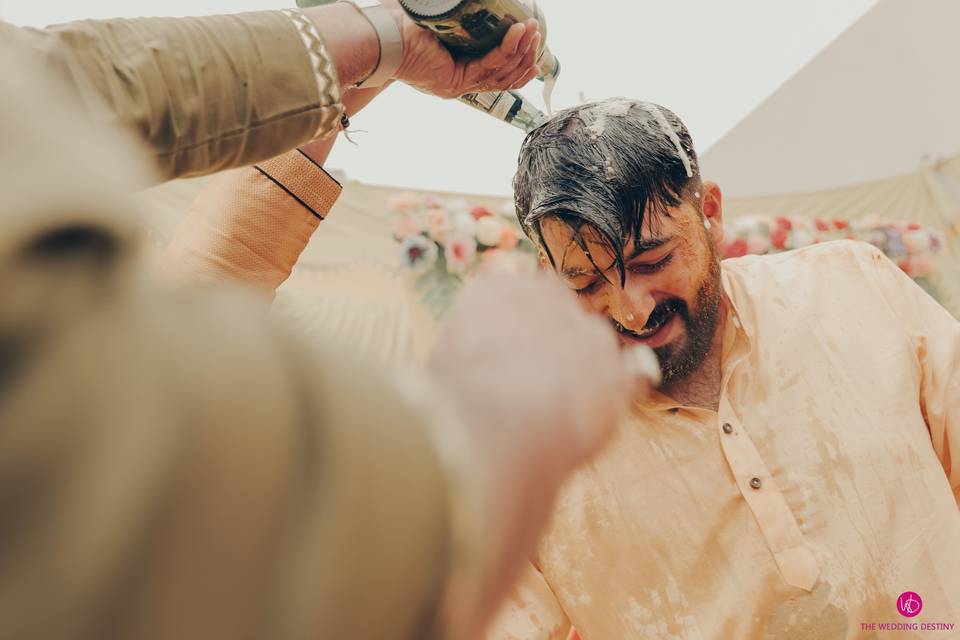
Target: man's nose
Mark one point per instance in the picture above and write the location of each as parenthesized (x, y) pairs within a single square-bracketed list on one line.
[(631, 306)]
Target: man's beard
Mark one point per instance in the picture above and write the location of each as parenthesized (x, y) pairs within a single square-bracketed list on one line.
[(677, 361)]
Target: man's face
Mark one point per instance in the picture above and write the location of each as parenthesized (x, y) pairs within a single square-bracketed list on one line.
[(671, 296)]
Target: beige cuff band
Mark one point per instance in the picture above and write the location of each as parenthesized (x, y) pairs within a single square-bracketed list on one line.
[(391, 42)]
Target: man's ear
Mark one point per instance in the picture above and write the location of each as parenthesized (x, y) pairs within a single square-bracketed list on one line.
[(711, 203)]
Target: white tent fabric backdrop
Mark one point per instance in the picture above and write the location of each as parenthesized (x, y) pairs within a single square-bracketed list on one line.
[(869, 127), (879, 101)]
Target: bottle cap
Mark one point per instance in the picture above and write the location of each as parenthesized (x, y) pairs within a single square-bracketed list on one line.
[(432, 9)]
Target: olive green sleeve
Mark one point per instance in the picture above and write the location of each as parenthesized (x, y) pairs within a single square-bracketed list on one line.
[(204, 94)]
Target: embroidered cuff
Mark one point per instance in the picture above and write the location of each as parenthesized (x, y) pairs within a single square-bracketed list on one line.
[(328, 85)]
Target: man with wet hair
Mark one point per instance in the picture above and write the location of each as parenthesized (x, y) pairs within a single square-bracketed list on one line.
[(571, 190), (798, 470)]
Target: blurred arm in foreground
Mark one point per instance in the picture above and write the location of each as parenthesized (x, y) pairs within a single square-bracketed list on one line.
[(177, 465)]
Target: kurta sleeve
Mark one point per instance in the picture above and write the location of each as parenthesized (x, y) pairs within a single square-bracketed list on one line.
[(935, 334), (204, 94), (252, 224)]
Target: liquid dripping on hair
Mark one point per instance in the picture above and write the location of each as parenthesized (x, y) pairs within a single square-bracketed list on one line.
[(672, 134)]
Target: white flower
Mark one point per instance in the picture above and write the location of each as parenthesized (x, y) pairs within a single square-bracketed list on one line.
[(489, 230), (916, 241), (745, 224), (457, 206), (463, 224), (800, 238), (419, 253)]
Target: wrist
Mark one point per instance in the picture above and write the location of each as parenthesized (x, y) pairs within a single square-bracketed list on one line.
[(350, 39), (319, 150)]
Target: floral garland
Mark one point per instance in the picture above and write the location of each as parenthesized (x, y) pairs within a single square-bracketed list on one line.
[(909, 245), (444, 242)]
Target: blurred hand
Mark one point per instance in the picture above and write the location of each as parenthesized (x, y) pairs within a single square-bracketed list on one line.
[(428, 66), (541, 385), (533, 367)]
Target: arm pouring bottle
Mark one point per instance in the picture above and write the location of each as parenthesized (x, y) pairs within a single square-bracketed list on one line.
[(474, 27)]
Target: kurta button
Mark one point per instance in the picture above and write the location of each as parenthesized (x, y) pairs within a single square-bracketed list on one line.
[(755, 483), (727, 427)]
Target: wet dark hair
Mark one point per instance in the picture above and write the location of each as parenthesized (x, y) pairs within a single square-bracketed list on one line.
[(607, 165)]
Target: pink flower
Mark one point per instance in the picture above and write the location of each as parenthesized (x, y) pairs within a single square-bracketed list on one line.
[(735, 249), (403, 202), (480, 211), (779, 239), (840, 224), (784, 223), (438, 224), (821, 224), (509, 238), (920, 266), (459, 252), (406, 224)]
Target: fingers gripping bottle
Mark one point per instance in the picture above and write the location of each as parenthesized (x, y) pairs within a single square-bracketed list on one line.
[(474, 27)]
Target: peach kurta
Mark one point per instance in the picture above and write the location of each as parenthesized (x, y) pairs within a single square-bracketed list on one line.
[(824, 487)]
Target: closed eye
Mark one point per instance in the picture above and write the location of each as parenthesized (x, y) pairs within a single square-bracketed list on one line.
[(646, 268), (587, 290), (641, 268)]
